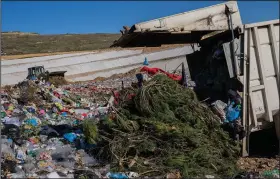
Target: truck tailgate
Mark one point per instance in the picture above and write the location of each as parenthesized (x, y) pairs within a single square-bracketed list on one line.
[(261, 74)]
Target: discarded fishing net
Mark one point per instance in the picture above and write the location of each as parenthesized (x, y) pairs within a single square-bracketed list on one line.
[(165, 128)]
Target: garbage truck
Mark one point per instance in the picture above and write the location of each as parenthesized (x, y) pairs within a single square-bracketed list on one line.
[(256, 65), (249, 62), (250, 65)]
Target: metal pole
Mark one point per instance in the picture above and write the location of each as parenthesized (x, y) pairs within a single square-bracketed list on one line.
[(228, 13), (0, 79)]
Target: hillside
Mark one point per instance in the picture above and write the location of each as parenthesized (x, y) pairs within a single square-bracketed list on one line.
[(32, 43)]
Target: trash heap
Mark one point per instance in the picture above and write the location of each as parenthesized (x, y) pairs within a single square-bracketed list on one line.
[(163, 129), (42, 133), (160, 129)]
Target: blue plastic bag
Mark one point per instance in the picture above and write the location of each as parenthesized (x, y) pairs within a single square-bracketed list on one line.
[(70, 137), (32, 122), (117, 176), (31, 110), (233, 112), (140, 78), (64, 114)]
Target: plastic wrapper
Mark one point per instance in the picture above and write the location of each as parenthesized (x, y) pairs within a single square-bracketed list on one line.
[(12, 120), (62, 154), (46, 166), (28, 167), (88, 160), (7, 149)]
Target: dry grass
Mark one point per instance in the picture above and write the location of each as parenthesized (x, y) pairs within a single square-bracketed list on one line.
[(28, 43), (12, 57), (145, 50), (19, 45)]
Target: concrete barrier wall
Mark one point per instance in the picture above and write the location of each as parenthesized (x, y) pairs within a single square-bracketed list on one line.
[(9, 66), (120, 62), (40, 59), (81, 68), (165, 64)]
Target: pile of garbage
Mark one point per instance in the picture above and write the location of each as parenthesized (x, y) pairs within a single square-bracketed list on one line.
[(158, 128), (42, 134), (164, 128)]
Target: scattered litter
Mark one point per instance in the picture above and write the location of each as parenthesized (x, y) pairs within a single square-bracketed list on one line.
[(156, 128)]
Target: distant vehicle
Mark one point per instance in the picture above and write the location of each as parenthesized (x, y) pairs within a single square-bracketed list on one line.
[(40, 73)]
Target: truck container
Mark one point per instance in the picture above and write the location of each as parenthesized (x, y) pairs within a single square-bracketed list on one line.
[(187, 26), (252, 59), (259, 74)]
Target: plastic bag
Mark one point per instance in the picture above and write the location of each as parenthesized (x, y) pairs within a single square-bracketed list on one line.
[(53, 175), (69, 164), (20, 155), (7, 149), (70, 137), (218, 108), (12, 131), (88, 160), (12, 120), (117, 175), (233, 112), (45, 166), (17, 175), (28, 167), (64, 157), (47, 130), (32, 122), (62, 153), (272, 174)]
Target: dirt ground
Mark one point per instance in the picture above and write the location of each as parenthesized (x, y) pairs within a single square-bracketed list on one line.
[(258, 164)]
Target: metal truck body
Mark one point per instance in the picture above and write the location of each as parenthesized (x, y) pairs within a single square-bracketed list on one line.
[(209, 18), (187, 26), (260, 77), (255, 63)]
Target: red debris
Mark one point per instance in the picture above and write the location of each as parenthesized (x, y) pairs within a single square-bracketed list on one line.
[(153, 71)]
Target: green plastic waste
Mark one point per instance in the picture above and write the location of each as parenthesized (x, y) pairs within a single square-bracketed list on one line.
[(3, 114), (271, 173), (32, 153)]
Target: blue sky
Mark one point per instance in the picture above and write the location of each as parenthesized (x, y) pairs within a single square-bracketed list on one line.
[(50, 17)]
